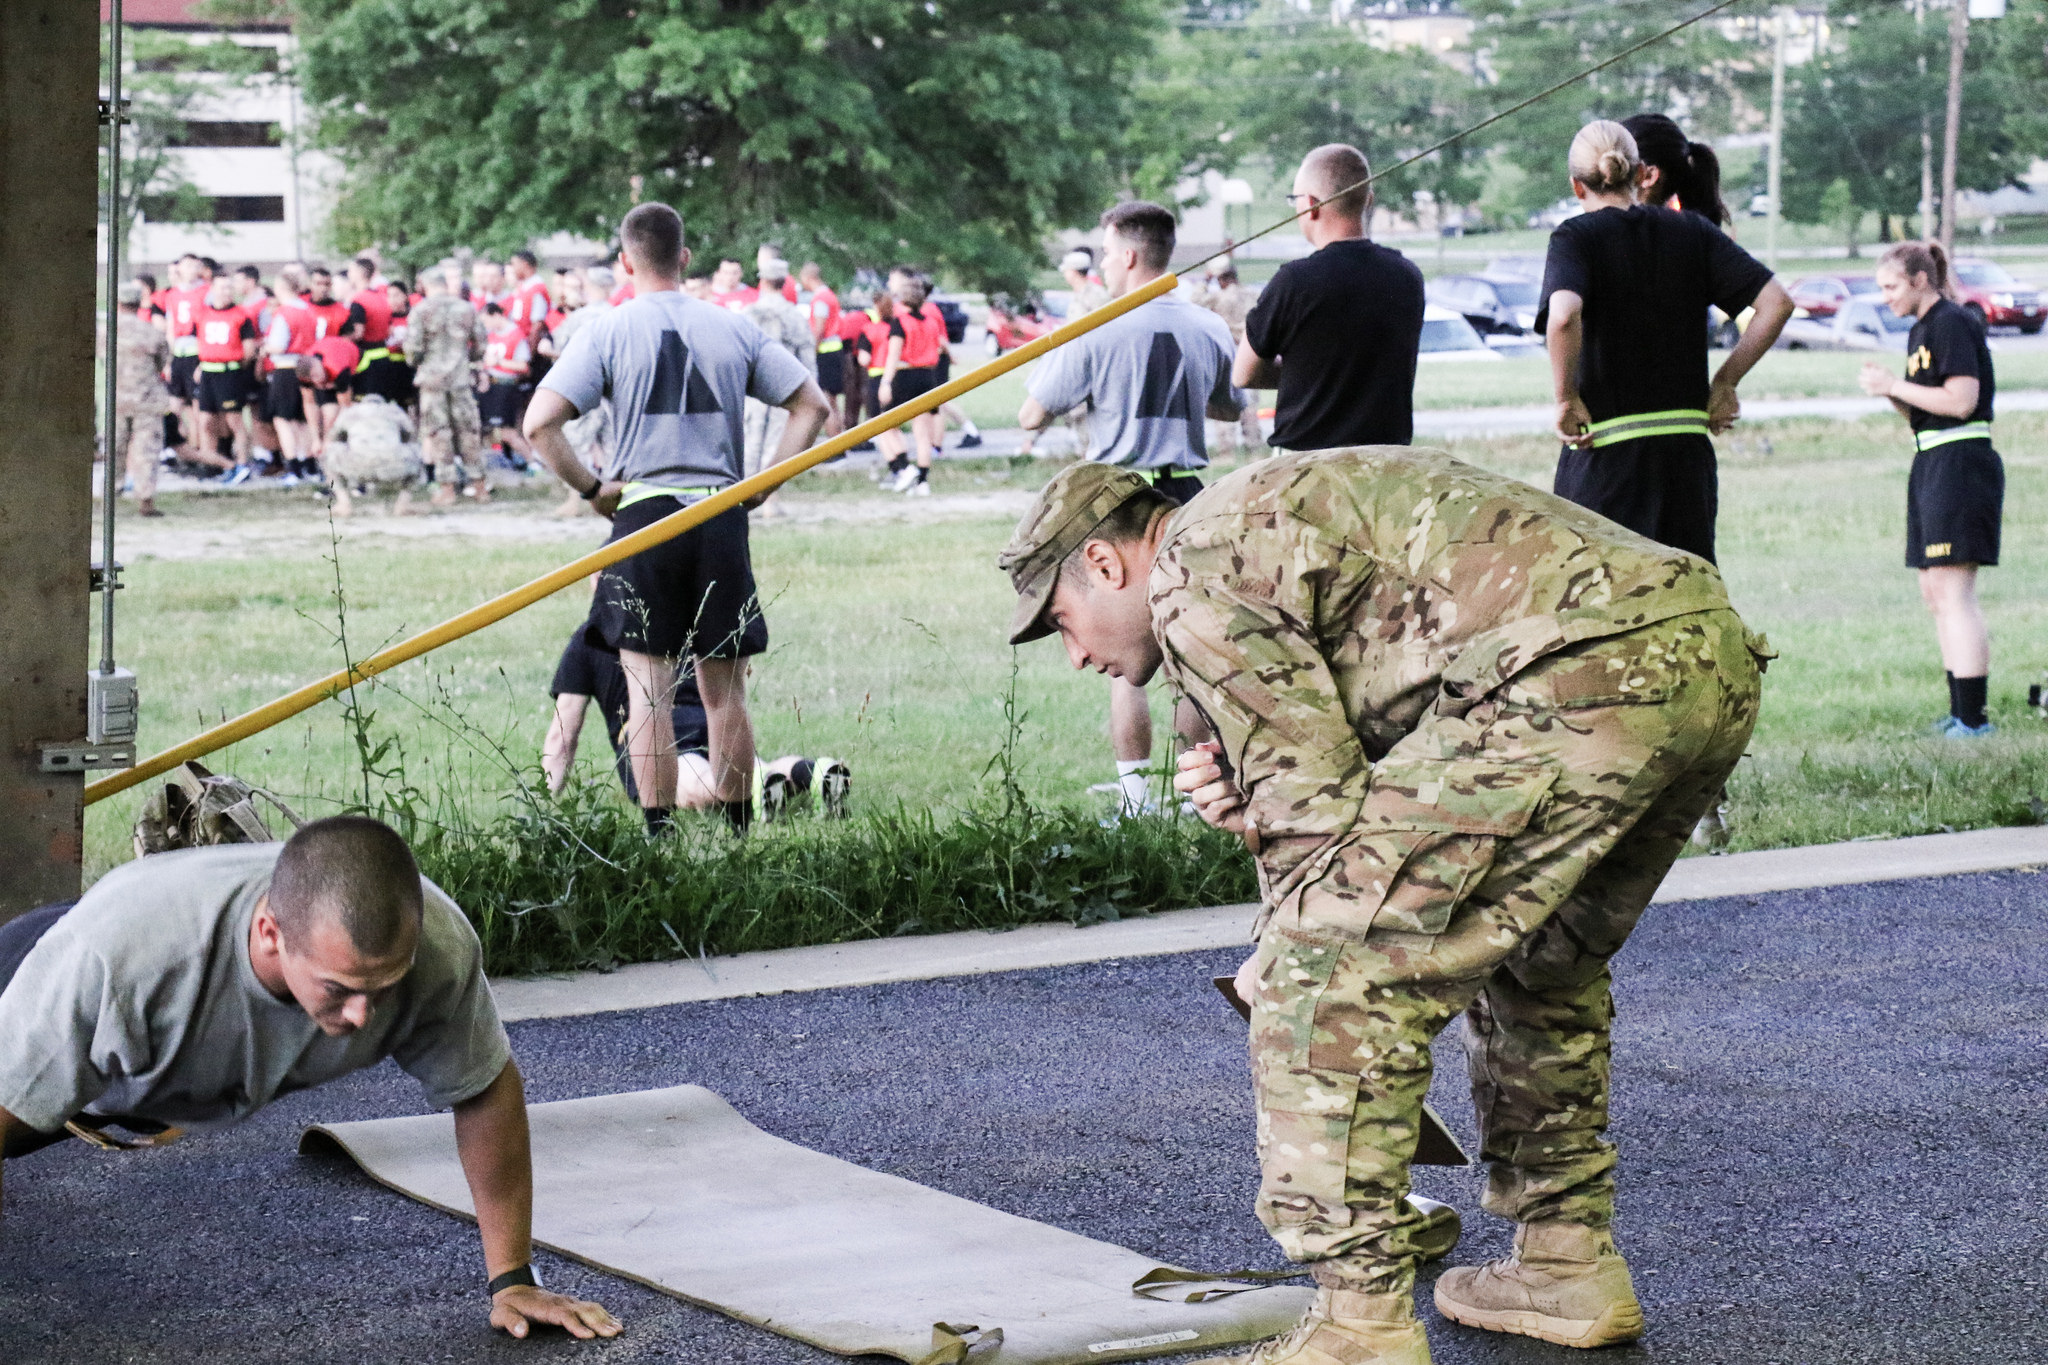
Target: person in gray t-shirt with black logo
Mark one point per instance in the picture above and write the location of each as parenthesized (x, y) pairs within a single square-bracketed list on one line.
[(677, 372), (1151, 379), (191, 989)]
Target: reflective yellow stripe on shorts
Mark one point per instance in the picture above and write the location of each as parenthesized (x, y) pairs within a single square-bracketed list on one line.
[(829, 345), (1968, 431), (641, 492), (220, 366), (374, 353), (1677, 422)]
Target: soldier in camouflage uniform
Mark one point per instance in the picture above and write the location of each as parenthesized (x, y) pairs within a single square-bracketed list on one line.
[(371, 445), (1465, 727), (141, 355), (1232, 302), (789, 325), (444, 340)]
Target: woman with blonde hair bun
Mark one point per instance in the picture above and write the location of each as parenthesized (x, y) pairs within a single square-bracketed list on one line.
[(1623, 308)]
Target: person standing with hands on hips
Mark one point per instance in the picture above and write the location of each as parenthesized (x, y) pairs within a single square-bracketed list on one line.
[(1624, 308), (1955, 496)]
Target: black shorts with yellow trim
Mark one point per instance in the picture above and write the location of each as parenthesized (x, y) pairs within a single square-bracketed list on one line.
[(184, 380), (692, 595), (832, 370), (1955, 505), (285, 401), (223, 389), (1666, 487)]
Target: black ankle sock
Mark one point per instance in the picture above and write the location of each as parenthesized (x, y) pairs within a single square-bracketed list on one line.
[(738, 814), (660, 819), (800, 776), (924, 473), (1967, 697), (897, 463)]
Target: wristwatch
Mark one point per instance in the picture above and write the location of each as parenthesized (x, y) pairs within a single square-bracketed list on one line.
[(590, 494), (516, 1276)]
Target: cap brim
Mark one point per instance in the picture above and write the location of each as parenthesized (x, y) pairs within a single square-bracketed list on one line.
[(1028, 622)]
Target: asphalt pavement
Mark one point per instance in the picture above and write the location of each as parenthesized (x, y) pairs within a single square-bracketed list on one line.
[(1830, 1107)]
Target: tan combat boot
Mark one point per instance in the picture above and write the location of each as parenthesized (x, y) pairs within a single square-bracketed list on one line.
[(1343, 1328), (1565, 1283)]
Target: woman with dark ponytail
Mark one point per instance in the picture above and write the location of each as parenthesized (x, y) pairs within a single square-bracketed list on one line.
[(1955, 496), (1677, 172)]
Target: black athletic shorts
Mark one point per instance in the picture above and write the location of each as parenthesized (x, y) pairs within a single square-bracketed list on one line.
[(832, 370), (501, 405), (326, 398), (1955, 501), (1663, 487), (909, 384), (184, 380), (1180, 486), (693, 595), (389, 379), (284, 402), (587, 671), (223, 390), (943, 371)]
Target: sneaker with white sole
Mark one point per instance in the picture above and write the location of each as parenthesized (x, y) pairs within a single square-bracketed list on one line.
[(905, 477), (835, 785), (920, 489)]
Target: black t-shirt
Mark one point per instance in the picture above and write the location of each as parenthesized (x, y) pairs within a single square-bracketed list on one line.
[(1646, 276), (1944, 343), (1345, 323), (587, 671)]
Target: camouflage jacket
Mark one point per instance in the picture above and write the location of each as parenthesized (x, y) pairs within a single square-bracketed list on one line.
[(444, 337), (1232, 303), (786, 323), (141, 356), (1317, 606), (372, 442)]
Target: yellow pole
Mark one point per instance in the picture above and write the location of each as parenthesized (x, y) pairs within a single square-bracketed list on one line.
[(669, 527)]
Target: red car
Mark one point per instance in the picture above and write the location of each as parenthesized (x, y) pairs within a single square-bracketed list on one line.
[(1009, 327), (1822, 296), (1996, 299)]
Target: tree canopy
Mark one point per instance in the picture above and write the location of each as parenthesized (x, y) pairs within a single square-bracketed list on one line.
[(955, 133)]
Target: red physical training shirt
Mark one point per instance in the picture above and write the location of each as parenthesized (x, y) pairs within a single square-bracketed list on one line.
[(302, 329), (528, 306), (824, 313), (623, 293), (371, 311), (221, 332), (738, 299), (339, 355), (506, 351), (328, 318), (924, 336)]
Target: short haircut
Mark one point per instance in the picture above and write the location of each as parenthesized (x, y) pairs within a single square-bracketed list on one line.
[(1334, 171), (188, 256), (1128, 521), (810, 268), (652, 234), (212, 266), (319, 272), (490, 308), (146, 280), (1226, 277), (350, 870), (527, 256), (364, 264), (251, 272), (1145, 226), (307, 367)]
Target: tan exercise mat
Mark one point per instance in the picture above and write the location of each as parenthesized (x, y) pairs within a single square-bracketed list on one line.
[(674, 1189)]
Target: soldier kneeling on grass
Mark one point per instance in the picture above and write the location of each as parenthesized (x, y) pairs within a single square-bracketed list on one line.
[(1465, 728), (190, 989)]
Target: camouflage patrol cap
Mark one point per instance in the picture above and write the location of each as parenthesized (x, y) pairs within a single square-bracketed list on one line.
[(1070, 507)]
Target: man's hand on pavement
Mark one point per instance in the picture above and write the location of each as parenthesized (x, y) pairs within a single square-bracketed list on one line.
[(515, 1309), (1200, 779)]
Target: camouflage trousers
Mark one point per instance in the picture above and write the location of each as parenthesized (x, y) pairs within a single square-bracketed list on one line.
[(451, 434), (139, 440), (1521, 843)]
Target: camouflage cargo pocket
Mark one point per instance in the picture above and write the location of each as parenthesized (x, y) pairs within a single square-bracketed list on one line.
[(1426, 836), (1304, 1111)]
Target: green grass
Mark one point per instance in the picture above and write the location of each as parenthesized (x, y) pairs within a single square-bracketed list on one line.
[(887, 650)]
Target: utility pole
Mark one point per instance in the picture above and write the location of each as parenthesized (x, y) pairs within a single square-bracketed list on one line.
[(1926, 130), (49, 139), (1774, 185), (1958, 43)]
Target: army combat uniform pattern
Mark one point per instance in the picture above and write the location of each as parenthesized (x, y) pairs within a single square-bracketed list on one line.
[(371, 443), (790, 326), (142, 354), (443, 340), (1233, 303), (1474, 725)]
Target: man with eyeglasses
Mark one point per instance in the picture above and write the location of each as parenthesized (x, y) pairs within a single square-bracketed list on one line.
[(1336, 332)]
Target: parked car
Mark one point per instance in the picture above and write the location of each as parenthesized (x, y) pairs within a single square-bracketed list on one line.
[(1528, 268), (1990, 293), (956, 318), (1822, 295), (1009, 325), (1491, 303), (1447, 336), (1861, 324)]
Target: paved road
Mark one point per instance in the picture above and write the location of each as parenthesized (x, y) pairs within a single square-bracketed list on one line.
[(1829, 1109)]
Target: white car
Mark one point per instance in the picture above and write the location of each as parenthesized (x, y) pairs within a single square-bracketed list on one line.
[(1861, 324), (1447, 336)]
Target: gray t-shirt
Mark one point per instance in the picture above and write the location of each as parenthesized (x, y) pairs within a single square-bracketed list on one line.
[(1149, 376), (678, 372), (142, 1001)]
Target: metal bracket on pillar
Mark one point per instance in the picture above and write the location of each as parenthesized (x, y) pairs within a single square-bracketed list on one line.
[(100, 577), (78, 756), (107, 112)]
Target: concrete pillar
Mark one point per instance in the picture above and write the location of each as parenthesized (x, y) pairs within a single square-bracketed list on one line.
[(49, 198)]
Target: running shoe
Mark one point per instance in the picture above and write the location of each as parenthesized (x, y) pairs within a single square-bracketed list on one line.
[(920, 489), (1954, 727), (835, 785), (238, 476), (904, 480), (969, 440)]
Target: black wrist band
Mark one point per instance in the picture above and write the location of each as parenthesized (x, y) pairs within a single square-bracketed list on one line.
[(522, 1275), (591, 494)]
